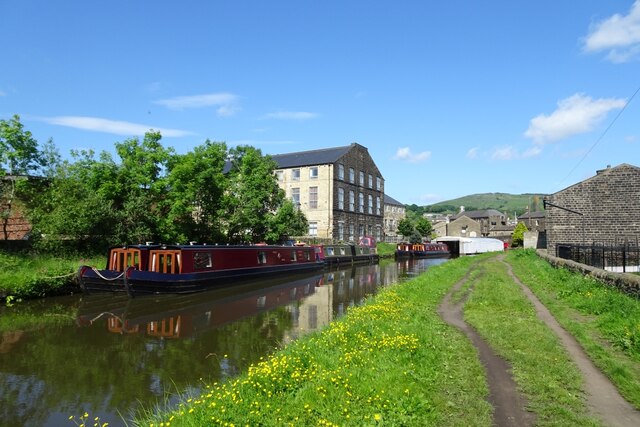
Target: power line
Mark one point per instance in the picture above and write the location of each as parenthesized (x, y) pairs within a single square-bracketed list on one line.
[(601, 136)]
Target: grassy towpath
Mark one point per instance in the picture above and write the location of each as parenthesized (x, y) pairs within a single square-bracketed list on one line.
[(394, 361)]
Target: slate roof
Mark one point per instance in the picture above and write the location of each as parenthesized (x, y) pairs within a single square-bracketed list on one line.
[(311, 158), (540, 214), (388, 200), (480, 214)]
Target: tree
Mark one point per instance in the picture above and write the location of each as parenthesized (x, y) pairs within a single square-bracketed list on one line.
[(406, 227), (20, 155), (253, 195), (517, 238), (288, 221), (424, 227), (194, 203)]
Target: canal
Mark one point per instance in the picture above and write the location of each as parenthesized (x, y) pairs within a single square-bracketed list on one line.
[(109, 355)]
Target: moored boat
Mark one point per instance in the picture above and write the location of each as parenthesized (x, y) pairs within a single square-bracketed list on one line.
[(341, 253), (422, 250), (152, 269)]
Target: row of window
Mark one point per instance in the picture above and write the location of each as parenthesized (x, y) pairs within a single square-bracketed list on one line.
[(352, 177), (361, 204), (313, 197), (350, 229)]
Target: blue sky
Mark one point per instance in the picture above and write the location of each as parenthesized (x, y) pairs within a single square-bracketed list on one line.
[(451, 98)]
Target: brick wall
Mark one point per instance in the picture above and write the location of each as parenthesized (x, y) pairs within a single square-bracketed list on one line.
[(609, 202)]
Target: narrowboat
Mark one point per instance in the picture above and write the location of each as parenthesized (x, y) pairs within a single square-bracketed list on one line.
[(422, 250), (154, 269), (341, 253)]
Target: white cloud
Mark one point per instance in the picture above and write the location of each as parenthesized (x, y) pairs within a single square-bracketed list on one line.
[(574, 115), (111, 126), (406, 154), (226, 102), (619, 35), (291, 115), (508, 152), (472, 153)]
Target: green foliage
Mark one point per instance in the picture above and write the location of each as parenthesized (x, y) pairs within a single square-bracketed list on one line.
[(406, 227), (517, 237), (424, 227), (19, 152)]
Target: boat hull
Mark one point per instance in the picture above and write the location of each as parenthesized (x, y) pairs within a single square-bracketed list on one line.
[(138, 282)]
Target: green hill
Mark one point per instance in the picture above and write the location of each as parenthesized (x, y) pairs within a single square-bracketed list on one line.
[(506, 203)]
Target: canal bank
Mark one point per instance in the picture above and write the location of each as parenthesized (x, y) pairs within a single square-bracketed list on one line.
[(395, 361)]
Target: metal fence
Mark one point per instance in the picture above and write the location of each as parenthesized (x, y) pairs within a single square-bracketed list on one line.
[(621, 256)]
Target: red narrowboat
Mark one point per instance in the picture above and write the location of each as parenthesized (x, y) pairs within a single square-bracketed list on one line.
[(422, 250), (153, 269)]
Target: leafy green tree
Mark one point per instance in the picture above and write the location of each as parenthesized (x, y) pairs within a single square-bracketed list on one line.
[(253, 195), (517, 238), (424, 227), (288, 221), (406, 227), (20, 155), (194, 203)]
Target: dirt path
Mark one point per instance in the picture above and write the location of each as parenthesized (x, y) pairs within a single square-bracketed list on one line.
[(603, 398), (508, 403)]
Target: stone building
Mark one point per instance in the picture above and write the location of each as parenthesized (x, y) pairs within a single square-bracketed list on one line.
[(394, 212), (340, 190), (534, 221), (602, 209), (463, 226), (487, 219)]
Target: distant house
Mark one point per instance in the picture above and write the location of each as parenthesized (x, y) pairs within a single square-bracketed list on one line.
[(603, 209), (534, 221), (463, 226), (394, 212), (340, 190), (486, 219)]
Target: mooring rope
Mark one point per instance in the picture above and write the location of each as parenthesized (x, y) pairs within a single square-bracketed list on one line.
[(95, 270)]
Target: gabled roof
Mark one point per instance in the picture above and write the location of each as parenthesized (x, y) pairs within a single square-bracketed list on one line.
[(602, 174), (311, 158), (486, 213), (388, 200)]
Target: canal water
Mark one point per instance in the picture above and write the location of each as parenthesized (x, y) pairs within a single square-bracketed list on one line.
[(109, 355)]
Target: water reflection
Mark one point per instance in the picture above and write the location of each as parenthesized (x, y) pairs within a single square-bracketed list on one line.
[(107, 354)]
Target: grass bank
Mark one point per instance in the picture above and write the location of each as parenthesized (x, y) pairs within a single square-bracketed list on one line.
[(605, 321), (37, 275), (390, 361)]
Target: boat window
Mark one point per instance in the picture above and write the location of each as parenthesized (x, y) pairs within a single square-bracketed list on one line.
[(262, 257), (202, 260), (121, 258), (307, 255), (294, 256), (261, 302), (163, 261), (343, 251), (330, 251)]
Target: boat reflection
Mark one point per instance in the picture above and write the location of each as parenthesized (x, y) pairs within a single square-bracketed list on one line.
[(180, 316)]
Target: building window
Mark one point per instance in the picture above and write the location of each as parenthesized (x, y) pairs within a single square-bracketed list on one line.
[(280, 175), (295, 197), (313, 172), (377, 205), (295, 174), (352, 176), (313, 228), (370, 205), (341, 198), (341, 231), (351, 236), (313, 197), (341, 172), (361, 230), (360, 202), (352, 201), (362, 178), (378, 183), (370, 181)]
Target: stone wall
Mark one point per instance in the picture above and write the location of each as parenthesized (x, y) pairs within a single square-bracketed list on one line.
[(625, 282), (609, 204)]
